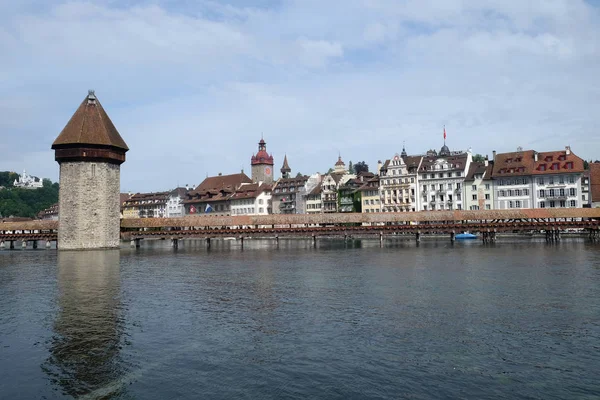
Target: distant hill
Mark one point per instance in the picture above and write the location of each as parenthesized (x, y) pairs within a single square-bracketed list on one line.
[(17, 202)]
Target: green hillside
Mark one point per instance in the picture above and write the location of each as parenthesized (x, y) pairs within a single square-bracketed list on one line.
[(17, 202)]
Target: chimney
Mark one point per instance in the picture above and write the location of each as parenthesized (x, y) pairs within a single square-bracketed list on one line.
[(535, 156), (494, 155), (486, 161), (568, 150), (379, 165), (220, 174)]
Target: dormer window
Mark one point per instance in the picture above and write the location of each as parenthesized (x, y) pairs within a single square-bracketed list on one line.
[(555, 166), (569, 165), (542, 167), (562, 157)]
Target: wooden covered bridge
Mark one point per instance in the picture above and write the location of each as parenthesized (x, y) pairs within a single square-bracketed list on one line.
[(485, 223)]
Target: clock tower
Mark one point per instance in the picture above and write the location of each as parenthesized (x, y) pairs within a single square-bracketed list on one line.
[(262, 164)]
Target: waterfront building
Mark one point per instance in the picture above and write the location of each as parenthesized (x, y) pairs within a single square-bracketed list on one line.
[(146, 205), (330, 186), (123, 197), (212, 196), (251, 199), (90, 152), (595, 184), (50, 213), (398, 183), (262, 164), (478, 186), (26, 181), (314, 205), (530, 179), (369, 195), (441, 177), (585, 190), (175, 206)]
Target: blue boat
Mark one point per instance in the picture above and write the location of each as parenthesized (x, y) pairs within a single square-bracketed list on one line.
[(465, 236)]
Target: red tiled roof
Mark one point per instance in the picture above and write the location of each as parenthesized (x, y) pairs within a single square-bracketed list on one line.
[(222, 181), (595, 181), (90, 125), (456, 161), (250, 191), (479, 167), (521, 163)]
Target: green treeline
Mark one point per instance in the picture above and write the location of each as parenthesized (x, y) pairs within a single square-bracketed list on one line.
[(17, 202)]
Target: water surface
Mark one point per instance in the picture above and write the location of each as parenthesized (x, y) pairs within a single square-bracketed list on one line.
[(343, 320)]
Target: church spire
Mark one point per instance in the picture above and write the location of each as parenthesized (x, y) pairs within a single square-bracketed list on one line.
[(285, 169)]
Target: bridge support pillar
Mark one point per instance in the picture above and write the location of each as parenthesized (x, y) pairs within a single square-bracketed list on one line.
[(242, 241), (207, 242), (314, 240), (418, 237), (12, 245), (48, 244), (381, 238), (175, 243), (24, 244), (277, 240), (452, 234), (34, 244)]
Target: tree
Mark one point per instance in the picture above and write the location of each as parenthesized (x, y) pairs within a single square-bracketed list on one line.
[(361, 166), (478, 157), (299, 175), (586, 165), (350, 167), (330, 170)]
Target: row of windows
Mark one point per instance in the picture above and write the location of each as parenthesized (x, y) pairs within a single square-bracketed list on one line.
[(557, 192), (552, 179), (561, 203), (442, 186), (398, 181), (510, 182), (487, 207), (441, 207), (487, 187), (487, 197), (515, 192), (441, 175), (372, 201)]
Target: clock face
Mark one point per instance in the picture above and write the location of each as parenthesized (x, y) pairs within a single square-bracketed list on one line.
[(267, 171)]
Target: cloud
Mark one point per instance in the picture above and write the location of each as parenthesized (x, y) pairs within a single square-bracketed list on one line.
[(192, 85)]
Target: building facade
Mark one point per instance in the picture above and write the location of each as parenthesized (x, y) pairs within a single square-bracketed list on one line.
[(398, 183), (595, 184), (530, 179), (146, 205), (212, 196), (251, 199), (262, 165), (90, 152), (441, 178), (478, 191), (370, 196), (175, 201)]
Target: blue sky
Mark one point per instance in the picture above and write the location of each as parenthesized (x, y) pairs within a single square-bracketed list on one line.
[(191, 85)]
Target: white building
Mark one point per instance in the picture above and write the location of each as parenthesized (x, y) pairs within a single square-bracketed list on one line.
[(251, 199), (331, 184), (28, 182), (175, 206), (398, 184), (478, 191), (528, 179), (441, 178)]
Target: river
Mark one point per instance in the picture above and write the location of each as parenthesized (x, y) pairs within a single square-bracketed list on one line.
[(517, 319)]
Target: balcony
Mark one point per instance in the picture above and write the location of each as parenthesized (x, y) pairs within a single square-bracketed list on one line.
[(287, 207), (555, 197), (346, 200)]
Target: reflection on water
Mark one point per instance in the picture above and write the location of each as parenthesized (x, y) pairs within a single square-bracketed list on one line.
[(88, 330)]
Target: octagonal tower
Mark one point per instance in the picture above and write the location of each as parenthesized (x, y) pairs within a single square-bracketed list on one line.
[(90, 152)]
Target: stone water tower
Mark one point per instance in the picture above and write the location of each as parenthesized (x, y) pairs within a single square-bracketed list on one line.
[(90, 152)]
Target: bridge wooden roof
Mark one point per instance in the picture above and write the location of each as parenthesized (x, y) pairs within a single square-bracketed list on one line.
[(282, 219)]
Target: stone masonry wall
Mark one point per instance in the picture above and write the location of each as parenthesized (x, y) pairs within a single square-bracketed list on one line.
[(89, 206)]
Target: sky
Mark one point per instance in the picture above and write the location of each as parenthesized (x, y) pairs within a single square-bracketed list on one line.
[(191, 85)]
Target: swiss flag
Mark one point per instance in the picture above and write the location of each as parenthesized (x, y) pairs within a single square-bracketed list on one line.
[(192, 210), (444, 132)]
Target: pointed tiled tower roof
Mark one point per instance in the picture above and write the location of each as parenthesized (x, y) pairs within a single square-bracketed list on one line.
[(90, 135), (285, 169), (90, 125)]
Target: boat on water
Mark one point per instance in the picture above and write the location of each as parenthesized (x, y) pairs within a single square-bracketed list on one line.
[(465, 236)]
